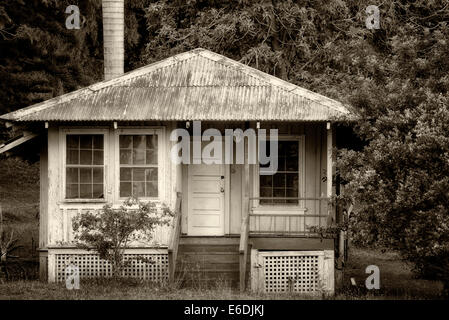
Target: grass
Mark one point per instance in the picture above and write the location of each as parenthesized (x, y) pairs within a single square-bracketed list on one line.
[(19, 201), (112, 290), (397, 280)]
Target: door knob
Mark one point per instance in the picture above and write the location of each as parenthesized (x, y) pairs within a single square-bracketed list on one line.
[(221, 189)]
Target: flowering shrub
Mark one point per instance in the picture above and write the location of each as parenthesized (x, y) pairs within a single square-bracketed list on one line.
[(111, 230)]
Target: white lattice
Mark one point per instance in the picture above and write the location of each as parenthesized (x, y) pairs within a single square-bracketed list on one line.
[(308, 272), (291, 273), (152, 267)]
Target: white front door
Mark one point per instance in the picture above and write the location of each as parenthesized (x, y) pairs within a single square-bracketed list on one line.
[(206, 191)]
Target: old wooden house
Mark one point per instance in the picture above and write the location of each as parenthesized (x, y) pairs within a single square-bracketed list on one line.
[(111, 140)]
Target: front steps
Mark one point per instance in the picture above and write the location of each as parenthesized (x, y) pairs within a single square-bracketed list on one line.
[(205, 262)]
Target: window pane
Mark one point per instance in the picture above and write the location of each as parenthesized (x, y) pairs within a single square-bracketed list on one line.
[(125, 189), (125, 157), (72, 191), (98, 157), (279, 180), (292, 180), (139, 189), (278, 193), (72, 156), (151, 174), (292, 193), (152, 189), (72, 141), (86, 141), (151, 157), (138, 156), (266, 181), (266, 192), (97, 175), (98, 141), (285, 183), (281, 163), (126, 142), (72, 175), (86, 182), (152, 142), (86, 191), (97, 191), (291, 148), (85, 175), (138, 151), (125, 174), (86, 157), (139, 174), (139, 142), (292, 163)]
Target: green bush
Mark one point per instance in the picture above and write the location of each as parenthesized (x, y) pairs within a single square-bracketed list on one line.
[(110, 231)]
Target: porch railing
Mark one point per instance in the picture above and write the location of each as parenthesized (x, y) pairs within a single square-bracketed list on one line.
[(174, 239), (293, 223)]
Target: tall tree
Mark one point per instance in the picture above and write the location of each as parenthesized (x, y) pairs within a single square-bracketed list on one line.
[(40, 57)]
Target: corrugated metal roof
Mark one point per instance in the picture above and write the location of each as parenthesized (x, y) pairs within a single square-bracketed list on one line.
[(196, 85)]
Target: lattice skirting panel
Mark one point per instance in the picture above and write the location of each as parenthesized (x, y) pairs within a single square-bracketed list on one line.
[(306, 272), (148, 266)]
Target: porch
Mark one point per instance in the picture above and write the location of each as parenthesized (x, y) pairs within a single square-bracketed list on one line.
[(281, 226)]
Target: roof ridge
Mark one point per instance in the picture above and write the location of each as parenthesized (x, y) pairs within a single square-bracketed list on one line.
[(284, 82)]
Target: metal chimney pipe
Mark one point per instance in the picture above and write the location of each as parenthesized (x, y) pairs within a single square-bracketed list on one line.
[(113, 38)]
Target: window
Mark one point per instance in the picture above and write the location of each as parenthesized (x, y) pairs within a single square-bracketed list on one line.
[(285, 182), (139, 166), (84, 166)]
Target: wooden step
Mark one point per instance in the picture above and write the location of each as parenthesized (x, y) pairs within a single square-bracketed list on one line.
[(208, 261), (207, 265), (215, 257), (208, 248), (210, 240), (208, 283)]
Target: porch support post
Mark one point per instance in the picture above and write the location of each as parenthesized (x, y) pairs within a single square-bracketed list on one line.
[(243, 247), (329, 170)]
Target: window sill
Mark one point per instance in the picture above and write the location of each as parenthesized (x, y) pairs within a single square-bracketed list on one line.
[(67, 201), (284, 210)]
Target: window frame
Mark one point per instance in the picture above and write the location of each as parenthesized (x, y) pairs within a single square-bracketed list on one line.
[(63, 143), (282, 208), (160, 132)]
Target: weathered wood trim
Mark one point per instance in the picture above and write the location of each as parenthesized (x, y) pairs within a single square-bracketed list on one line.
[(255, 270), (173, 243), (51, 267), (328, 272), (302, 177), (128, 250), (54, 219), (63, 132), (329, 168), (163, 161), (18, 142), (243, 252), (291, 243)]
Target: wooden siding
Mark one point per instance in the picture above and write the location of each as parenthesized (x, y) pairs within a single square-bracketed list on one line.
[(314, 184), (57, 213)]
